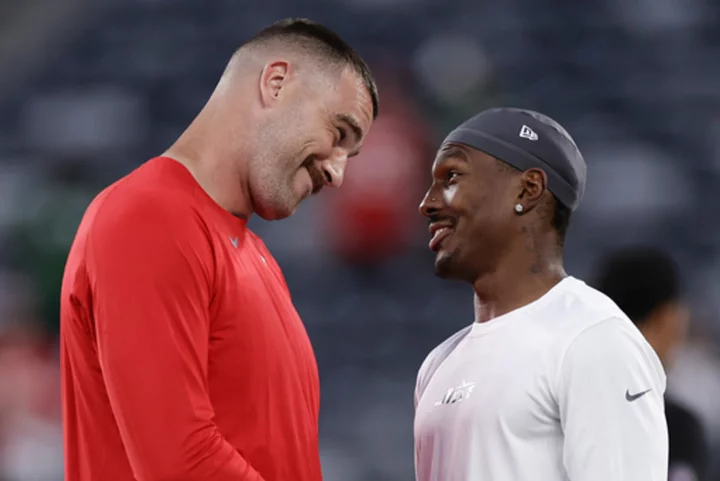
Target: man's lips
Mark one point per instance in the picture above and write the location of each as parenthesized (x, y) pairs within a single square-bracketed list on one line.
[(439, 232)]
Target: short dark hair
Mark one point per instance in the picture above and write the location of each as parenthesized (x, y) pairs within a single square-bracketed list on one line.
[(639, 279), (322, 41)]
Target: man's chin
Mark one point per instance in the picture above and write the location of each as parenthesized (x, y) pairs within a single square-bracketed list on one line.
[(449, 265), (443, 265), (275, 215), (277, 211)]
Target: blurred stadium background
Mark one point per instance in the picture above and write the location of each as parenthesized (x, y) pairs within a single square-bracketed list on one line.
[(91, 89)]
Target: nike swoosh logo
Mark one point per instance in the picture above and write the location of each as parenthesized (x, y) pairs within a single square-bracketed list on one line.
[(635, 397), (234, 241)]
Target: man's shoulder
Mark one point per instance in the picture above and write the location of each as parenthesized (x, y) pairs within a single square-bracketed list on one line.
[(442, 350), (589, 316), (590, 303), (580, 309), (586, 323), (436, 357), (137, 208), (139, 197)]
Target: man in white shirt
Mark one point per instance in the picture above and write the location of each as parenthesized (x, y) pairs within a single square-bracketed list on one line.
[(552, 382)]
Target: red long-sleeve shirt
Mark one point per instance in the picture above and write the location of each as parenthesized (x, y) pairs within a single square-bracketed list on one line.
[(183, 358)]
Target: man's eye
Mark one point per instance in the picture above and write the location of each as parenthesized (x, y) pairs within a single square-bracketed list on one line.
[(452, 175)]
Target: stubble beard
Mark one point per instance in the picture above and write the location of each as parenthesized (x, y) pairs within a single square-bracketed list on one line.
[(275, 198)]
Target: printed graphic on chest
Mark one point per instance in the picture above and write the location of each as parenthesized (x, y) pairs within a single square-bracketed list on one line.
[(457, 394)]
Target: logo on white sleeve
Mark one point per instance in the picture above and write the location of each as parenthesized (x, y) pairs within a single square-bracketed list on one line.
[(458, 394), (636, 396)]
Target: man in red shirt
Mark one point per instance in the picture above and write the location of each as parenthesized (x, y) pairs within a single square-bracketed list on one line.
[(183, 358)]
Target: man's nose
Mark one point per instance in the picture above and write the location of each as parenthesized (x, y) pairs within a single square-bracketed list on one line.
[(430, 204), (333, 169)]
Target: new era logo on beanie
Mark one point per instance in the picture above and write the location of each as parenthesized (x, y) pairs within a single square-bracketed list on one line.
[(528, 133), (526, 140)]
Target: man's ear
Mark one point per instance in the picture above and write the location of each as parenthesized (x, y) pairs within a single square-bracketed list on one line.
[(273, 79), (533, 187)]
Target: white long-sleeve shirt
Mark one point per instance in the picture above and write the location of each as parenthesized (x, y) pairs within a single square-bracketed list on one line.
[(564, 388)]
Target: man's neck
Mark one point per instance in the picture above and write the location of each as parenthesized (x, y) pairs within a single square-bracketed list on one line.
[(213, 168), (515, 283)]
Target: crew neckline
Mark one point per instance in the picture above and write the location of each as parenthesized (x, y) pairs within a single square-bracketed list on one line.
[(482, 328)]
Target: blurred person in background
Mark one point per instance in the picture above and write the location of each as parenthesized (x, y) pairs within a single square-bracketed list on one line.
[(645, 283), (183, 357), (552, 380), (30, 428)]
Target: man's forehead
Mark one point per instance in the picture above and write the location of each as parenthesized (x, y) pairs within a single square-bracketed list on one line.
[(458, 151), (451, 150), (354, 96)]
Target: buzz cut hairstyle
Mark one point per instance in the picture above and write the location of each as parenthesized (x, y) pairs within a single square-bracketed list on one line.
[(320, 41)]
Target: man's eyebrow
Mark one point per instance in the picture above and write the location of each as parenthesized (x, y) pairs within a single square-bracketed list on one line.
[(452, 151)]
